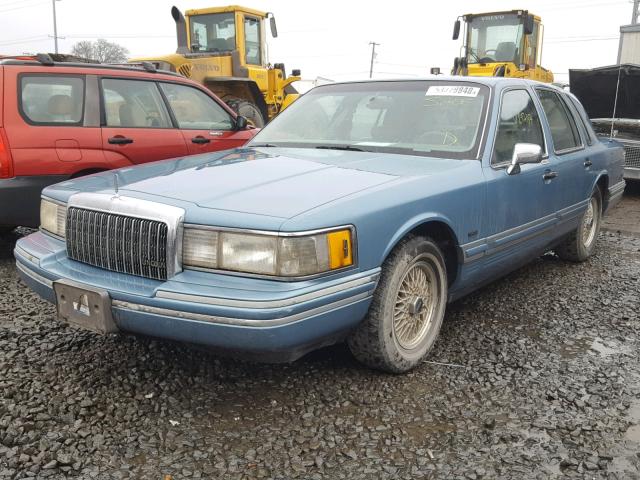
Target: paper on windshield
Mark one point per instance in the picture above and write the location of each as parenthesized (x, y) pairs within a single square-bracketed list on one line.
[(452, 91)]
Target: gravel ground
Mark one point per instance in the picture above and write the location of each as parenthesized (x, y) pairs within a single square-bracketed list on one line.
[(535, 376)]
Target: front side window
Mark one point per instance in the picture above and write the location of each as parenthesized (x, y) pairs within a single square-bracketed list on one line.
[(495, 38), (428, 118), (52, 99), (518, 123), (194, 110), (213, 32), (133, 104), (564, 131), (252, 40)]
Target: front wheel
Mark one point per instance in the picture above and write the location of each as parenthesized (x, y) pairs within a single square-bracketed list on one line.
[(407, 308), (581, 243)]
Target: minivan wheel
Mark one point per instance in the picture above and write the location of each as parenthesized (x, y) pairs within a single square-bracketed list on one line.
[(407, 308), (581, 243)]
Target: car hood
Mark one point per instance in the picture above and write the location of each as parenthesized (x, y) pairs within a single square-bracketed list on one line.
[(261, 181)]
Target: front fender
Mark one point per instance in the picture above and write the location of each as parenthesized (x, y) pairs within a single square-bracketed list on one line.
[(414, 223)]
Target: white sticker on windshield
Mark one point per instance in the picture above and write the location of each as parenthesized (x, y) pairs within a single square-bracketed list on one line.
[(452, 91)]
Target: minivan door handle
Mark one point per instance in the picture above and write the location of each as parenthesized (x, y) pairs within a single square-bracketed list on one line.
[(200, 140), (120, 140), (550, 175)]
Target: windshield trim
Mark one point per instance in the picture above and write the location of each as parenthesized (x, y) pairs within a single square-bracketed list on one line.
[(476, 152)]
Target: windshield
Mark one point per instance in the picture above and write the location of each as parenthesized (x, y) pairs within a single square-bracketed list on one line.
[(429, 118), (495, 38), (214, 32)]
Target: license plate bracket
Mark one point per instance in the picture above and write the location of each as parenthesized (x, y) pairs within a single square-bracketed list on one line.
[(84, 307)]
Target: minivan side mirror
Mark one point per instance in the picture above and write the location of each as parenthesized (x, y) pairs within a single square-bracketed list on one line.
[(456, 29), (241, 122), (524, 153)]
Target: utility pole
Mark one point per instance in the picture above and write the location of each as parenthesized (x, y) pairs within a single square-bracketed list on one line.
[(55, 25), (373, 55), (634, 17)]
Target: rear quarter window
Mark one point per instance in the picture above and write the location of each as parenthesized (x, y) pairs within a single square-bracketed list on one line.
[(52, 99)]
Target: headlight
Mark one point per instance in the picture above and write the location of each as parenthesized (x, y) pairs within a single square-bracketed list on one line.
[(53, 217), (282, 255)]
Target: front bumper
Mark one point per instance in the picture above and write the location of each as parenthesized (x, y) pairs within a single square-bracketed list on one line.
[(20, 198), (274, 320)]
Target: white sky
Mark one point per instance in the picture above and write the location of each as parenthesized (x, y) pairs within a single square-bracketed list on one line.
[(328, 38)]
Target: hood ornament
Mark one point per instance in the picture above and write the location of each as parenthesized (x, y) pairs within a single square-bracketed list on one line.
[(115, 185)]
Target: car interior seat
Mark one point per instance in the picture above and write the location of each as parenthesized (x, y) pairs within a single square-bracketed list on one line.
[(506, 52), (126, 116), (60, 108)]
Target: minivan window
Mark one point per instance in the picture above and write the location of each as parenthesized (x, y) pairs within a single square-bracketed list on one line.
[(518, 123), (134, 104), (52, 100), (195, 110), (564, 131)]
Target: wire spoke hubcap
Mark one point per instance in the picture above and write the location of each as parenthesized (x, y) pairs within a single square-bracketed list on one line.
[(590, 223), (416, 300)]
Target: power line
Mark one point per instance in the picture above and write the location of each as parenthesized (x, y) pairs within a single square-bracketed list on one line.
[(37, 3), (38, 38)]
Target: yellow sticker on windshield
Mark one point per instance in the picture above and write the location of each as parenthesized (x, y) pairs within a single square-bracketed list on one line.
[(452, 91)]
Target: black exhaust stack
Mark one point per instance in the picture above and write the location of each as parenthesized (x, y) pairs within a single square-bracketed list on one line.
[(181, 30)]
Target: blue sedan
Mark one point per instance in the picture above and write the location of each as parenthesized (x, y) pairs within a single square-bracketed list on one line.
[(357, 215)]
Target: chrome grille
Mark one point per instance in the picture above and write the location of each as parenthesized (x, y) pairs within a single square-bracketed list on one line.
[(632, 156), (117, 242)]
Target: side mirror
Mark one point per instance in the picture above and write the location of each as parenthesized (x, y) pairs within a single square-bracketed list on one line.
[(272, 25), (528, 24), (524, 153), (456, 29), (241, 122)]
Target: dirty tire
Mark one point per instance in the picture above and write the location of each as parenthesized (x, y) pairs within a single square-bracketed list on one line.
[(383, 340), (581, 243), (247, 109)]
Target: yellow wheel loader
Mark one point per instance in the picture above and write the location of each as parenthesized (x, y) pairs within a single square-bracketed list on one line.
[(501, 44), (225, 49)]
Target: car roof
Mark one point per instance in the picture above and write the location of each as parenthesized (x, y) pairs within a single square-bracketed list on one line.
[(499, 82)]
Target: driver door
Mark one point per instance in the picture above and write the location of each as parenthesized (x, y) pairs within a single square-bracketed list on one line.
[(521, 207), (136, 124)]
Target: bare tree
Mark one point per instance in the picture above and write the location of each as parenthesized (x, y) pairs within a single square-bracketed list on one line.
[(101, 50)]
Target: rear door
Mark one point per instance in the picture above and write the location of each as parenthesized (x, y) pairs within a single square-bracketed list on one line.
[(136, 123), (205, 124)]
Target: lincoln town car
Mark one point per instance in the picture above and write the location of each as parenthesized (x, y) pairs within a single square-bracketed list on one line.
[(356, 215)]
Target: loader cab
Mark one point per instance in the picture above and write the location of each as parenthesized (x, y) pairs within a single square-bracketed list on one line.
[(505, 44), (220, 31)]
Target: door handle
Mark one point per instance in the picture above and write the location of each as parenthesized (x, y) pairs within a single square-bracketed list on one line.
[(120, 140), (200, 140), (587, 163), (550, 175)]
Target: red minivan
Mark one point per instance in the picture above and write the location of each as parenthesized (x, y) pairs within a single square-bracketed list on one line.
[(60, 120)]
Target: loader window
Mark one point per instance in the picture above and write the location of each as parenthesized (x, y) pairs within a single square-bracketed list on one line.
[(194, 110), (252, 41), (495, 38), (214, 32)]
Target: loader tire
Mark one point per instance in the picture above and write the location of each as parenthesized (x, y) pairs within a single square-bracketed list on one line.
[(247, 109)]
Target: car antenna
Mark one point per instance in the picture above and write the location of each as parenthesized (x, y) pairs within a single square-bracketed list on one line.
[(615, 103)]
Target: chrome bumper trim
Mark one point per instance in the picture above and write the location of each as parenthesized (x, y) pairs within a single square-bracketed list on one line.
[(286, 302), (200, 317), (33, 275)]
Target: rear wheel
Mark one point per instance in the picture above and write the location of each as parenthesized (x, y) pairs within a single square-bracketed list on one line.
[(407, 308), (581, 243), (247, 109)]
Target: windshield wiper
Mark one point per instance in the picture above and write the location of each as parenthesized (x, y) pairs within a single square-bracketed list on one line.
[(340, 147)]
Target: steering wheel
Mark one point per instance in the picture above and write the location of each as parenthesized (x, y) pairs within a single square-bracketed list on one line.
[(441, 137)]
